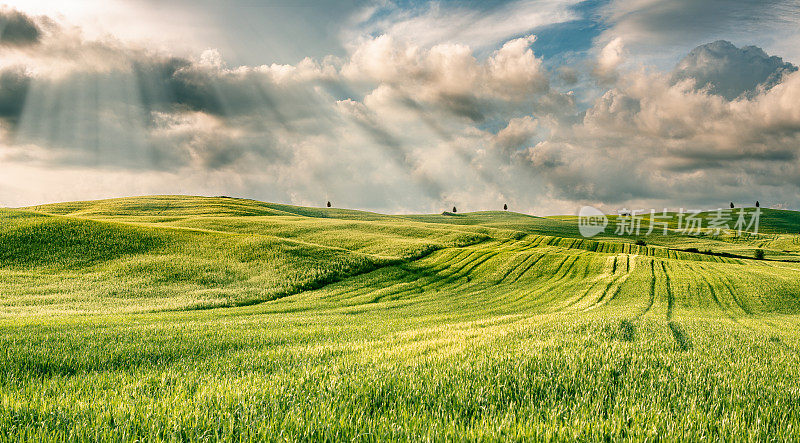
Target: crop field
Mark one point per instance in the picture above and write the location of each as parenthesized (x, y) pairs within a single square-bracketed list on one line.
[(204, 319)]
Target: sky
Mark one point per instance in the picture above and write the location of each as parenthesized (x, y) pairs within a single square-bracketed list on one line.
[(404, 106)]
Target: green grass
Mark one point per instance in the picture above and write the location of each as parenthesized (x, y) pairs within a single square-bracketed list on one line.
[(190, 318)]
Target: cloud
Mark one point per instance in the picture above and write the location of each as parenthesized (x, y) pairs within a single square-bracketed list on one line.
[(14, 84), (609, 60), (658, 23), (652, 141), (451, 70), (730, 71), (514, 69), (449, 77), (73, 102), (517, 134), (481, 26), (278, 92), (409, 123), (17, 29)]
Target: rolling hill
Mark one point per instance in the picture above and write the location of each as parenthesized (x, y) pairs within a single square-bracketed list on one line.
[(208, 317)]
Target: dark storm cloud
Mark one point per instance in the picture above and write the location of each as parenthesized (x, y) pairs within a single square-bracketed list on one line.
[(174, 84), (104, 120), (14, 85), (692, 161), (175, 81), (730, 71), (17, 29)]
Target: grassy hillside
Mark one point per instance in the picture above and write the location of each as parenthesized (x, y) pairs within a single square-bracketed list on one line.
[(86, 265), (191, 318), (176, 205)]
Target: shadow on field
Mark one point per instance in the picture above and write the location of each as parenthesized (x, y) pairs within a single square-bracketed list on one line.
[(681, 337), (627, 330)]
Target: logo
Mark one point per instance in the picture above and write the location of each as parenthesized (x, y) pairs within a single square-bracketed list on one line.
[(591, 221)]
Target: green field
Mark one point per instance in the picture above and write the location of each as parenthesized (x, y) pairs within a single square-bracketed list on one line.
[(194, 318)]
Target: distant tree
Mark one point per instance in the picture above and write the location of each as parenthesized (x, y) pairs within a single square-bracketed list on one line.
[(454, 209), (731, 205), (758, 205), (329, 204), (505, 207), (759, 254)]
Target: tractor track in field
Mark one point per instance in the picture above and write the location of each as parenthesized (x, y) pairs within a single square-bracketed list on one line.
[(569, 267), (713, 293), (587, 271), (469, 267), (607, 288), (578, 299), (714, 296), (682, 338), (468, 262), (616, 291), (617, 280), (532, 264), (552, 281), (730, 312), (452, 269), (463, 256), (461, 250), (513, 265), (611, 281), (560, 265), (457, 263), (726, 281), (670, 295), (652, 295), (622, 278), (562, 277), (589, 288), (464, 262), (526, 257), (527, 268)]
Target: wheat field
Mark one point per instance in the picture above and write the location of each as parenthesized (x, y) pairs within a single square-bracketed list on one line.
[(203, 319)]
